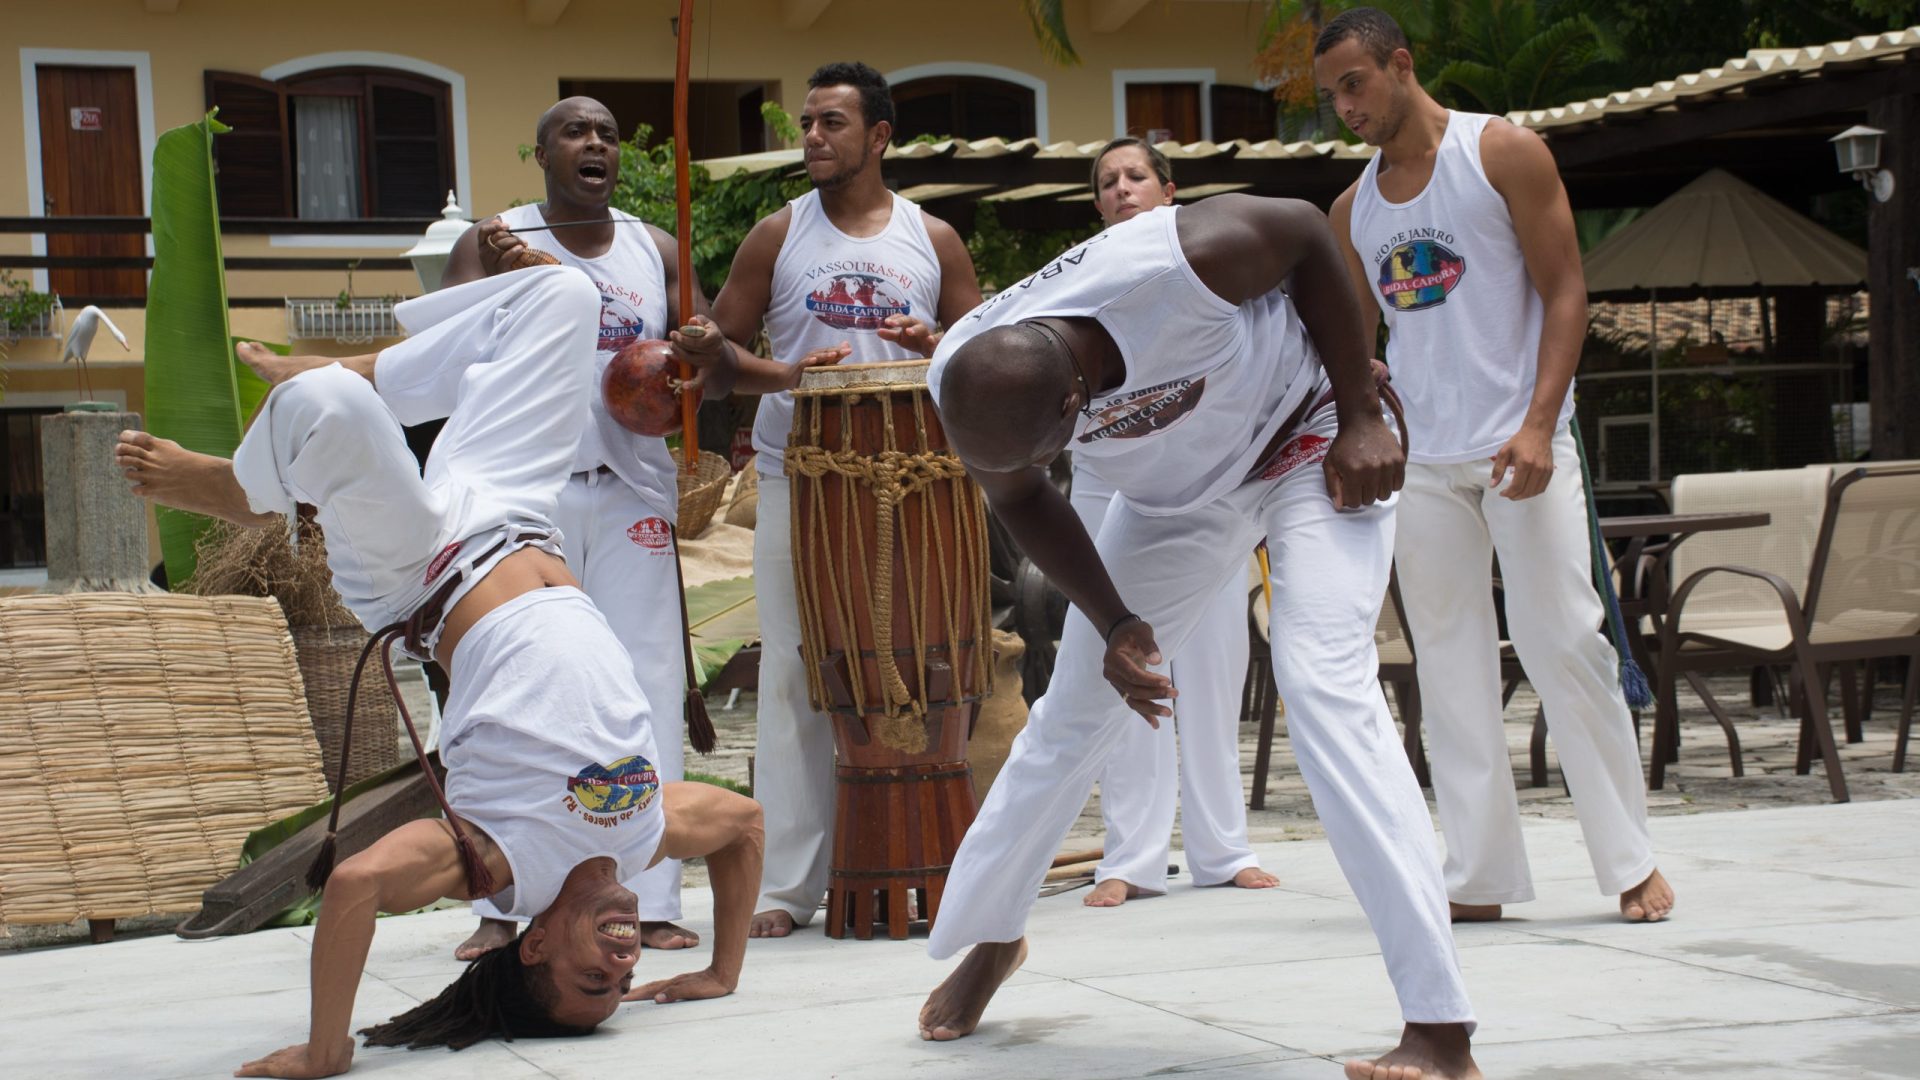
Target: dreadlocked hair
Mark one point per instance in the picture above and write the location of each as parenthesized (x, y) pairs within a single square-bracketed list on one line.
[(498, 996)]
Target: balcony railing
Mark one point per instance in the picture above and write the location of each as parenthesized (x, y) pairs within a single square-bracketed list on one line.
[(355, 321)]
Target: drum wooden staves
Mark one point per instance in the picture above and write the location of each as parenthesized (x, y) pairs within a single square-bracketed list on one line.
[(890, 569)]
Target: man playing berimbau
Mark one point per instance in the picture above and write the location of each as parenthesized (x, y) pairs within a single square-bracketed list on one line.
[(552, 798), (1189, 352)]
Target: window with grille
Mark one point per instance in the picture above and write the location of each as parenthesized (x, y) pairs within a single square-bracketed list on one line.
[(337, 144)]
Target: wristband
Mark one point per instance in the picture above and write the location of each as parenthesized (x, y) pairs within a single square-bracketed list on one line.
[(1119, 622)]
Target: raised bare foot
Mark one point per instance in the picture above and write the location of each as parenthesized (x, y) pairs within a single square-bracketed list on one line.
[(953, 1009), (771, 923), (275, 369), (1254, 878), (1473, 912), (490, 935), (1426, 1052), (1649, 901), (172, 475), (665, 935), (1111, 893)]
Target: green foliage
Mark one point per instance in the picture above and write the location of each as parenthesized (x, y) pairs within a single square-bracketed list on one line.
[(20, 304), (1502, 55), (734, 786), (1049, 21), (193, 394), (1002, 256)]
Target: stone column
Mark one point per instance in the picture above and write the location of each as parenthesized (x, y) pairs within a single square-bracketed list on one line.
[(96, 527)]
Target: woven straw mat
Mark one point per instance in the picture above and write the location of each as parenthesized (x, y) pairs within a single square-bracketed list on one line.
[(141, 739)]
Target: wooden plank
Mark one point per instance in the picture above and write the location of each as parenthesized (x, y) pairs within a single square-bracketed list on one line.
[(277, 880)]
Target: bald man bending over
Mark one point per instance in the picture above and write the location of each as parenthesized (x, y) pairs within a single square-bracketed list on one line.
[(1211, 360)]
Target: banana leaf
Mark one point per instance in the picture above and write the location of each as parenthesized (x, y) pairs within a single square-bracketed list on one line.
[(193, 396), (723, 618), (252, 389)]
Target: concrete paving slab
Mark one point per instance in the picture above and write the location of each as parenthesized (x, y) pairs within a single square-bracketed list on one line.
[(1795, 952)]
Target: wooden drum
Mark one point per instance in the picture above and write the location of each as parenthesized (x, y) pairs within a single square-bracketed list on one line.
[(890, 568)]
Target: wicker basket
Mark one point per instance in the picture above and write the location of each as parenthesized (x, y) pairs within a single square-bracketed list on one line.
[(700, 491), (326, 655)]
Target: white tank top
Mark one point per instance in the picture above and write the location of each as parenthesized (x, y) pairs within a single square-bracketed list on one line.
[(1207, 383), (633, 307), (829, 287), (1463, 317), (548, 744)]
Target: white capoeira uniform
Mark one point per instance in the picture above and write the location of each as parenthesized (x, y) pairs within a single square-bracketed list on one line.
[(1137, 786), (617, 512), (1466, 320), (1208, 386), (828, 287), (546, 736)]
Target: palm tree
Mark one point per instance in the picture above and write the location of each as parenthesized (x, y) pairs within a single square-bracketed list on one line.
[(1501, 55)]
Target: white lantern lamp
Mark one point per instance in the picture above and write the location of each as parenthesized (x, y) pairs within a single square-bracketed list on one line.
[(429, 256), (1857, 152)]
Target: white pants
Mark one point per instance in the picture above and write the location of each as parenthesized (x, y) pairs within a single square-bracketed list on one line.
[(490, 356), (616, 542), (1138, 784), (793, 742), (1330, 574), (1452, 522)]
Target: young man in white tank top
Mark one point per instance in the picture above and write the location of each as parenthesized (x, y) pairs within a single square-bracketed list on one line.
[(1189, 352), (552, 798), (1459, 230), (847, 271)]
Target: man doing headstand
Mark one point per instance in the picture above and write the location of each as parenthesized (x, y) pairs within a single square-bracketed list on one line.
[(1189, 352), (551, 790)]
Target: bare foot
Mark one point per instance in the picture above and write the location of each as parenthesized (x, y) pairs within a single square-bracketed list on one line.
[(1649, 901), (771, 923), (275, 369), (1426, 1052), (665, 935), (1473, 912), (1254, 878), (1112, 893), (490, 935), (953, 1009), (172, 475)]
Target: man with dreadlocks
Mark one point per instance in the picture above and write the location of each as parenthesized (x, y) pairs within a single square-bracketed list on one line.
[(551, 798)]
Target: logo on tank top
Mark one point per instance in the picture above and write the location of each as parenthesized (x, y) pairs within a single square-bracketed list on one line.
[(1418, 269), (652, 533), (620, 321), (606, 795), (1145, 412), (857, 302), (440, 561), (1299, 450)]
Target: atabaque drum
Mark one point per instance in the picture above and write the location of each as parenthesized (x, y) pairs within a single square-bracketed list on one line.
[(890, 570)]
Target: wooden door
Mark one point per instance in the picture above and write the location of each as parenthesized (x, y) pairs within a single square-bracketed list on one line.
[(90, 165), (1173, 107), (23, 540)]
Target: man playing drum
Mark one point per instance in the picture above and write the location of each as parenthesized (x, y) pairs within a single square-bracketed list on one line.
[(1189, 352), (552, 798), (849, 268)]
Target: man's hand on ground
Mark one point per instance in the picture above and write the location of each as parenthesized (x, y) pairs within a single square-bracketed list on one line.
[(302, 1062), (693, 986), (1530, 455), (1365, 464), (1129, 652)]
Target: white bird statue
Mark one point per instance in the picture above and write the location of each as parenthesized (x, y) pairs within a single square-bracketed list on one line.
[(80, 341)]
